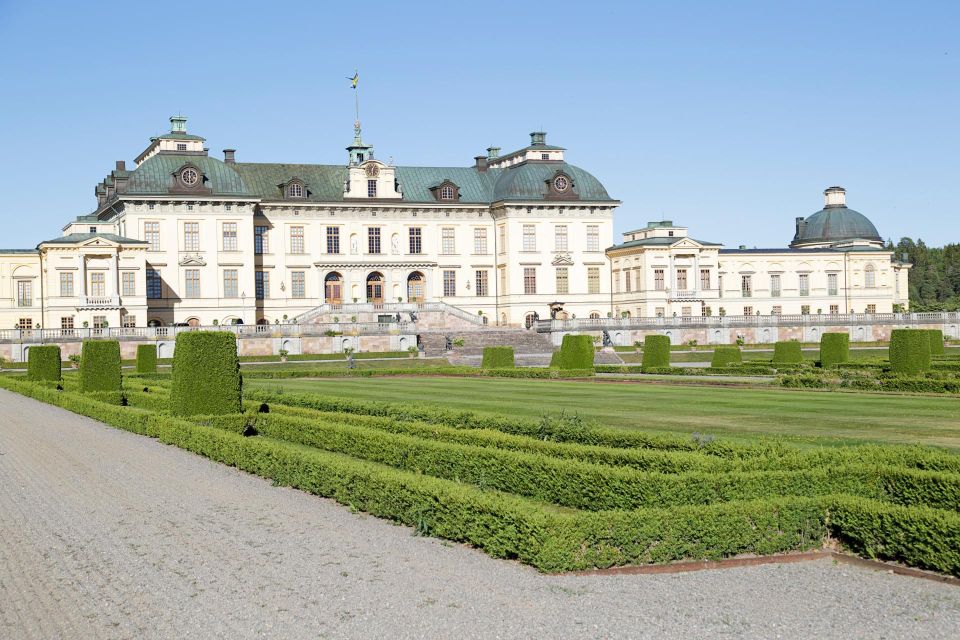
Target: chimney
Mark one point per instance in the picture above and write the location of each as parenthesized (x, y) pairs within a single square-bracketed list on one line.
[(121, 165), (835, 197), (799, 220), (538, 137), (481, 163), (493, 152), (228, 156)]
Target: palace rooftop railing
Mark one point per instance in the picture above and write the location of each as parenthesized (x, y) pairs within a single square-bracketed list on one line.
[(351, 308)]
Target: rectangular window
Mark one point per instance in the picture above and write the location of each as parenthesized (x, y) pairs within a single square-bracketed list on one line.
[(529, 237), (503, 239), (229, 236), (480, 241), (262, 284), (834, 309), (191, 236), (298, 284), (748, 311), (705, 279), (871, 308), (593, 279), (870, 278), (333, 240), (746, 286), (706, 311), (191, 279), (66, 284), (658, 279), (373, 240), (503, 281), (682, 279), (24, 293), (230, 283), (627, 284), (416, 240), (719, 286), (371, 188), (449, 282), (804, 284), (261, 244), (99, 322), (128, 320), (98, 284), (805, 309), (128, 283), (66, 322), (151, 235), (560, 237), (777, 310), (563, 281), (447, 243), (775, 285), (296, 239), (593, 237), (831, 284), (686, 312), (529, 280), (483, 283), (181, 146), (154, 288)]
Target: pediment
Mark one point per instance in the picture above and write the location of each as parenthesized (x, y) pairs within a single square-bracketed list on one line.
[(98, 242), (562, 260), (192, 261)]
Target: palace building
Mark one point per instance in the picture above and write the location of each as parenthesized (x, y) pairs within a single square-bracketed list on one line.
[(183, 237), (186, 238)]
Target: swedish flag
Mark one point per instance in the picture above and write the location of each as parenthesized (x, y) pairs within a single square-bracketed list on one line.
[(354, 80)]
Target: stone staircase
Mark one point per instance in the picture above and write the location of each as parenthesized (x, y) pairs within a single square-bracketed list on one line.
[(529, 347)]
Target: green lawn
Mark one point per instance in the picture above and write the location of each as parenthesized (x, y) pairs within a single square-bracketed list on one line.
[(804, 416), (703, 354)]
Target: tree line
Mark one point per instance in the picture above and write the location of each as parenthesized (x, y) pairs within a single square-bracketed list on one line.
[(935, 276)]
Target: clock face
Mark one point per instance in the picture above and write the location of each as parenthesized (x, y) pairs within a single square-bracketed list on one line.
[(560, 183), (189, 177), (372, 170)]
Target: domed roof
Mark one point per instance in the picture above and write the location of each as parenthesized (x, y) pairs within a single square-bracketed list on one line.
[(155, 175), (834, 223), (528, 181)]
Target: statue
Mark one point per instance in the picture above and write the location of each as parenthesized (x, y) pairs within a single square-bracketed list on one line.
[(607, 342), (448, 344), (354, 245), (395, 244)]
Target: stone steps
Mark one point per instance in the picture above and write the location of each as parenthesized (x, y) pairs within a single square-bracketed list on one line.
[(523, 342)]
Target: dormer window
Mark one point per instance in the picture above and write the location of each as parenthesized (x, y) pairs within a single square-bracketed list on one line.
[(544, 156), (295, 190), (189, 177), (446, 192), (561, 183), (181, 146)]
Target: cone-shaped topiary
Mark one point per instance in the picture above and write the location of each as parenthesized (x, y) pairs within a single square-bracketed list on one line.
[(725, 355), (43, 362), (100, 366), (909, 351), (206, 374), (497, 358), (656, 352), (576, 352), (787, 352), (147, 358), (936, 342), (834, 349)]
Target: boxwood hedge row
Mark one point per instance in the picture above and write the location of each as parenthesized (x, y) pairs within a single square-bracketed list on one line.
[(936, 342), (909, 351), (787, 352), (656, 352), (576, 352), (100, 366), (834, 349), (43, 363), (497, 358), (726, 355), (206, 374), (146, 358)]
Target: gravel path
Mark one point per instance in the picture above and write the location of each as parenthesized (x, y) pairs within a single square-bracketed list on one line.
[(106, 534)]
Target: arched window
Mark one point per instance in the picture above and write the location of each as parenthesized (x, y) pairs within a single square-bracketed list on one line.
[(869, 277), (446, 192), (154, 323), (528, 320), (594, 315), (415, 286), (375, 288), (295, 190), (333, 288)]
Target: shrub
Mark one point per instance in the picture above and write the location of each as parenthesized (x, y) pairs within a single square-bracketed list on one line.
[(576, 352), (43, 362), (100, 366), (206, 374), (787, 352), (147, 358), (936, 342), (834, 349), (909, 351), (497, 358), (724, 356), (656, 352)]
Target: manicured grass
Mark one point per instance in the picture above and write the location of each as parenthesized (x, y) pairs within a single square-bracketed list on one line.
[(806, 416), (703, 354), (393, 363)]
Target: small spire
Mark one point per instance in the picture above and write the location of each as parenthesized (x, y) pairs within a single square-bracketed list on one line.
[(178, 124)]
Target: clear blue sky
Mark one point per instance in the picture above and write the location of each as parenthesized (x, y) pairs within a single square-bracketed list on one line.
[(730, 118)]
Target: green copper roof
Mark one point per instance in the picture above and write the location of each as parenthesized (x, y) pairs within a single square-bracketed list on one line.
[(324, 181), (475, 186), (155, 175), (835, 224), (661, 242), (17, 251), (178, 135), (528, 181), (76, 238)]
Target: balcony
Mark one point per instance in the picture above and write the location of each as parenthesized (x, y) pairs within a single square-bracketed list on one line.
[(98, 302)]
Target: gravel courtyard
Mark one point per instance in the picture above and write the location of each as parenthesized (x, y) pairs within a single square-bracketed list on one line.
[(106, 534)]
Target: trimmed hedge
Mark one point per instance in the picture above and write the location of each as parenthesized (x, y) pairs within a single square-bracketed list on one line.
[(206, 374), (834, 349), (936, 342), (726, 355), (787, 352), (656, 352), (100, 366), (498, 358), (147, 358), (43, 363), (909, 351), (461, 372), (576, 352)]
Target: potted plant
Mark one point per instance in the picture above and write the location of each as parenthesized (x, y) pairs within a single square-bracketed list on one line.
[(412, 351), (458, 342), (283, 355), (216, 322), (399, 299), (74, 359), (353, 318)]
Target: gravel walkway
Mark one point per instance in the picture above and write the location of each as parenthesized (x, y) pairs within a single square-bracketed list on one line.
[(105, 534)]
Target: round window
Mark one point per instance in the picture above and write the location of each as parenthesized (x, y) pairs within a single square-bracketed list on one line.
[(560, 183), (189, 177)]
